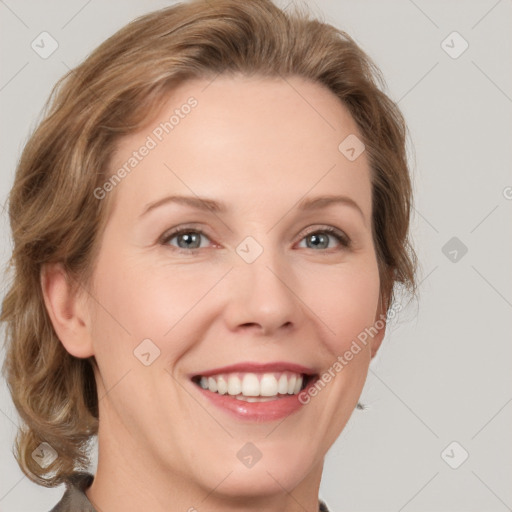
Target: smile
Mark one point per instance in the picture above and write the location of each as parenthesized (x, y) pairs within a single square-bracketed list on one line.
[(254, 387), (254, 391)]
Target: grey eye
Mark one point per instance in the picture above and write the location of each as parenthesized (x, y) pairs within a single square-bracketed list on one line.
[(186, 239), (317, 240)]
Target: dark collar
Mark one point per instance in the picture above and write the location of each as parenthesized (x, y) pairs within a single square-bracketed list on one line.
[(75, 499)]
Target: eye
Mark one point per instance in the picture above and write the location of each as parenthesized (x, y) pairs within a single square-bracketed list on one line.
[(320, 238), (187, 238)]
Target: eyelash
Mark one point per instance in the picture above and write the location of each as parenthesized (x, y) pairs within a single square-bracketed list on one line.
[(343, 239)]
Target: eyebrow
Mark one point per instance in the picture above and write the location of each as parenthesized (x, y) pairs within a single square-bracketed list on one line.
[(205, 204)]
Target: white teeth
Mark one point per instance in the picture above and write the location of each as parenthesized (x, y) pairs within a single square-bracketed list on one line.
[(250, 385), (222, 385), (234, 385), (282, 386), (268, 385), (242, 385), (291, 384), (212, 384)]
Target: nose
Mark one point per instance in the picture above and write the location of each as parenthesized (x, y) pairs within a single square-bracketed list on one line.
[(263, 296)]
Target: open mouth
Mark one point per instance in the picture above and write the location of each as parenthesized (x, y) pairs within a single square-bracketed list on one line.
[(254, 386)]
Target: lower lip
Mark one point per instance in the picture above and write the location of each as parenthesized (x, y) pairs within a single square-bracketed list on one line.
[(255, 411)]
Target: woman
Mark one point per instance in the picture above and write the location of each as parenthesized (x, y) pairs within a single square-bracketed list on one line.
[(208, 228)]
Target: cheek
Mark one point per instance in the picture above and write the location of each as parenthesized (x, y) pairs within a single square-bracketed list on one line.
[(346, 299), (139, 301)]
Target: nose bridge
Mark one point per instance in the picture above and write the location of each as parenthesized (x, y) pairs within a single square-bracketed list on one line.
[(263, 292)]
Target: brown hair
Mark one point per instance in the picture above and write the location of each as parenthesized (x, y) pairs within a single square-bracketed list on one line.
[(55, 216)]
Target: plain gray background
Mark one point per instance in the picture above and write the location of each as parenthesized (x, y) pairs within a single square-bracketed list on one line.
[(443, 371)]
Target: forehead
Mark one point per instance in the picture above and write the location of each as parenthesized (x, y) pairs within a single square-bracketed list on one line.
[(247, 139)]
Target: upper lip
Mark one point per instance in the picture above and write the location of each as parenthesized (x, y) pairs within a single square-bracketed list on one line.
[(277, 366)]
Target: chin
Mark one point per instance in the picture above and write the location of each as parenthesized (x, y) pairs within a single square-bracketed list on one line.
[(274, 471)]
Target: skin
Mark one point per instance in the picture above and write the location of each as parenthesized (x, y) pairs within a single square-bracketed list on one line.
[(258, 146)]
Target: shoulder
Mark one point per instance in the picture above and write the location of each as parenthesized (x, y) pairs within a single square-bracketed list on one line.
[(75, 499)]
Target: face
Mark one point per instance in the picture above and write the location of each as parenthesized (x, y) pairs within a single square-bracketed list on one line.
[(263, 286)]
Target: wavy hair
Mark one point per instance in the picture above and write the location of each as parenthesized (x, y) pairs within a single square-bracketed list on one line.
[(55, 216)]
